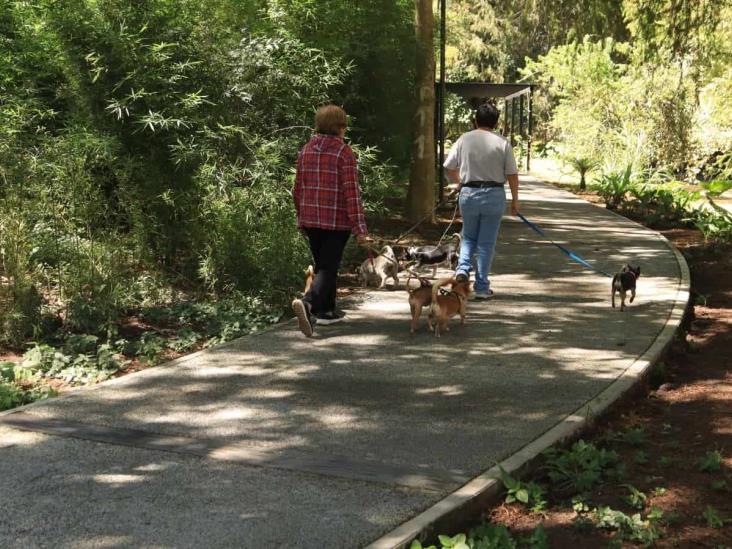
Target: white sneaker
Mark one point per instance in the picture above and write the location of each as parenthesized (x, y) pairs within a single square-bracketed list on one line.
[(481, 296), (326, 319)]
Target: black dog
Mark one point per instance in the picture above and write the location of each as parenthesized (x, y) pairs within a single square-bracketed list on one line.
[(623, 282), (446, 254)]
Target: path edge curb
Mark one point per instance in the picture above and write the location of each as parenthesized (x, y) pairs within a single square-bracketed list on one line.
[(449, 513)]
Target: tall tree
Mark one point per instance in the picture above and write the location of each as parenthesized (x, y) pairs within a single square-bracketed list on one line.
[(421, 195)]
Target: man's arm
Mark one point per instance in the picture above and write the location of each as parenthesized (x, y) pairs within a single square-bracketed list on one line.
[(513, 183), (454, 176)]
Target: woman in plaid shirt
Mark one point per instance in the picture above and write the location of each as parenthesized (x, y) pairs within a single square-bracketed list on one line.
[(329, 210)]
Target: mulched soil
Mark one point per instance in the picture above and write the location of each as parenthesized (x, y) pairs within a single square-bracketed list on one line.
[(685, 415)]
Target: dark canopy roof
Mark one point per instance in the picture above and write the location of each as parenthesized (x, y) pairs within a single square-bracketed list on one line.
[(481, 90)]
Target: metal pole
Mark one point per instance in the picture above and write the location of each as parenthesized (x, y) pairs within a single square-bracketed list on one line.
[(505, 118), (531, 128), (443, 42), (521, 117)]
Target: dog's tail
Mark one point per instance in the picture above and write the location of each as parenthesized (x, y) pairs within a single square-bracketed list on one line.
[(436, 289), (309, 277)]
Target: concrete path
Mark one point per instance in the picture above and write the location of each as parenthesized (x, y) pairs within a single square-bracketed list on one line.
[(275, 440)]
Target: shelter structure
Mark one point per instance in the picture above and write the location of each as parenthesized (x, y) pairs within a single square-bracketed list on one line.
[(517, 119)]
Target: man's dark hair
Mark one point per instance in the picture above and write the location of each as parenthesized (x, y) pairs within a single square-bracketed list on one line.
[(486, 116)]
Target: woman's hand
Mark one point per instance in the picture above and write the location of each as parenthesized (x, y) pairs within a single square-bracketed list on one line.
[(364, 240)]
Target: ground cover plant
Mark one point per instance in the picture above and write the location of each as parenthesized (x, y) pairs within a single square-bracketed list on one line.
[(662, 202)]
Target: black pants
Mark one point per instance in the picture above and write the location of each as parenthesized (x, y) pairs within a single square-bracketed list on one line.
[(327, 249)]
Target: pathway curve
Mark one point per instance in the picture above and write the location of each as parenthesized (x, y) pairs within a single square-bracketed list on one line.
[(275, 440)]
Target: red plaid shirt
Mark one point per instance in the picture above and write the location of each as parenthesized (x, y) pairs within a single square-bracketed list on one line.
[(326, 190)]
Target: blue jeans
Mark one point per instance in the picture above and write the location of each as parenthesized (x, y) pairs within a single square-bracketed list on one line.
[(481, 210)]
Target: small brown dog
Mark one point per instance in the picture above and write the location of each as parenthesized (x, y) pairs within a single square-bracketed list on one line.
[(419, 298), (444, 307), (624, 282)]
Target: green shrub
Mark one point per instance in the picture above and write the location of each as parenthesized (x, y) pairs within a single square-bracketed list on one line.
[(582, 165), (633, 528), (579, 468), (10, 396), (613, 187), (528, 493), (20, 302), (711, 462)]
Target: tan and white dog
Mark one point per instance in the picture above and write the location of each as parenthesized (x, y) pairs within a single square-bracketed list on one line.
[(379, 268)]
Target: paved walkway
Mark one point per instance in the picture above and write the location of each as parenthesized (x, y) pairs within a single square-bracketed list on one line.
[(278, 441)]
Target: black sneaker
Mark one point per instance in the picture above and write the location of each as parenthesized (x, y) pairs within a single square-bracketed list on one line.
[(331, 317), (462, 277), (304, 318)]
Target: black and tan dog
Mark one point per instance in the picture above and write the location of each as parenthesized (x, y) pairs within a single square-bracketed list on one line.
[(444, 307), (445, 254), (624, 282)]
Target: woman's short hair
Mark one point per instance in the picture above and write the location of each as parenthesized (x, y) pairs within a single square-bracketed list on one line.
[(330, 119), (486, 116)]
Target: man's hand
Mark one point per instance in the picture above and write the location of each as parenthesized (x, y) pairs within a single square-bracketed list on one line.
[(364, 240), (514, 207)]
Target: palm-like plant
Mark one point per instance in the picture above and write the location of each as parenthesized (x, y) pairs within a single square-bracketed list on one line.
[(583, 165)]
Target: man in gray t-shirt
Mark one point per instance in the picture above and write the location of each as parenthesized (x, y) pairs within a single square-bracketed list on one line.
[(481, 162)]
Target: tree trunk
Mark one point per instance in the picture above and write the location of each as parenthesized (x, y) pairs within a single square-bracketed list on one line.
[(421, 196)]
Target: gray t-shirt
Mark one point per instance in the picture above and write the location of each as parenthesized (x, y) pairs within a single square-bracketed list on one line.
[(482, 155)]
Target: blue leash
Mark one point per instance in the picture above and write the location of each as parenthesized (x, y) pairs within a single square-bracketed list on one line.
[(569, 253)]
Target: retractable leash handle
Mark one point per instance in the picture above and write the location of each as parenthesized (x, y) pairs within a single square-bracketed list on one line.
[(569, 253)]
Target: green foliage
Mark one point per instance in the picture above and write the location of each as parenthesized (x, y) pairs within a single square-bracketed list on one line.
[(491, 536), (150, 348), (579, 468), (636, 499), (20, 302), (148, 147), (580, 504), (717, 187), (713, 519), (613, 187), (185, 339), (720, 485), (10, 396), (656, 199), (633, 436), (582, 165), (711, 462), (528, 493), (13, 395), (633, 528), (637, 100), (455, 542), (86, 363)]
